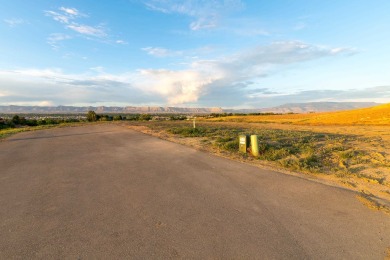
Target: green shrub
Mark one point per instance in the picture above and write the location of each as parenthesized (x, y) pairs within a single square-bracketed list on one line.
[(117, 118), (311, 163), (231, 145), (91, 116), (274, 154), (32, 122), (188, 131)]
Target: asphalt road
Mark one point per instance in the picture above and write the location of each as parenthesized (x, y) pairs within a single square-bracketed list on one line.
[(106, 192)]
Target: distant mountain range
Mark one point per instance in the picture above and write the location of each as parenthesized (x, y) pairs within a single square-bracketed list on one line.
[(108, 110), (287, 108)]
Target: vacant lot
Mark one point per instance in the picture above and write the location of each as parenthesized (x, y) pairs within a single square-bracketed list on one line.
[(356, 157)]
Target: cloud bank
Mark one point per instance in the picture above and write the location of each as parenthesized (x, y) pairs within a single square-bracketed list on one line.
[(225, 81)]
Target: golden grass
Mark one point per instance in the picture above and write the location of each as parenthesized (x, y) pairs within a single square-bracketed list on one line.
[(378, 115)]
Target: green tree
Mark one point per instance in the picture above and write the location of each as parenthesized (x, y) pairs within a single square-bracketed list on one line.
[(145, 117), (16, 120), (133, 117), (51, 121), (91, 116), (32, 122), (117, 117), (105, 118), (41, 122)]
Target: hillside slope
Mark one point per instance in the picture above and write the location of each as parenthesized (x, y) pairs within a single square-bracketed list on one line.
[(318, 107), (378, 115)]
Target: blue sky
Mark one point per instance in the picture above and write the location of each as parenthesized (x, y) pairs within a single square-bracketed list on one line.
[(231, 54)]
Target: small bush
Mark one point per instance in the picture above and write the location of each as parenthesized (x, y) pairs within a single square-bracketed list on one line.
[(311, 163), (32, 122), (274, 154), (145, 117), (188, 132), (231, 145), (223, 139)]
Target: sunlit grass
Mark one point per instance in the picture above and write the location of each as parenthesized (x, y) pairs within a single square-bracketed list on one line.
[(379, 115)]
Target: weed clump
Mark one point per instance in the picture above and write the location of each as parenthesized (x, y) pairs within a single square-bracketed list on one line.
[(188, 132)]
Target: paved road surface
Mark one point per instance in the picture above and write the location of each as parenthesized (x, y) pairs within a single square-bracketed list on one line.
[(103, 191)]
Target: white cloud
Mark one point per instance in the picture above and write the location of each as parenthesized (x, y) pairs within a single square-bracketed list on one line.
[(156, 51), (88, 30), (45, 103), (160, 52), (70, 11), (204, 23), (187, 54), (336, 51), (176, 87), (99, 69), (55, 38), (206, 14), (3, 94), (13, 22), (68, 17), (34, 86), (65, 15), (62, 18), (204, 76), (121, 42)]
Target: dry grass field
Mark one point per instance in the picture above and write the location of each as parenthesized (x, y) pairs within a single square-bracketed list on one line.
[(379, 115), (355, 156)]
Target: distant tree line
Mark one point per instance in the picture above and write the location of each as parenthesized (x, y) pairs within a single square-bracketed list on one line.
[(93, 117), (243, 114), (17, 121)]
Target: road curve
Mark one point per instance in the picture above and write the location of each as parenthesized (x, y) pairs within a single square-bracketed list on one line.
[(106, 192)]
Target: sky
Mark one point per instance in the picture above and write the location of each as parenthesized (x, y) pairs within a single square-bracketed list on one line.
[(193, 53)]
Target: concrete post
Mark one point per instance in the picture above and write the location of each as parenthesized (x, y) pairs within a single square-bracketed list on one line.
[(254, 145), (243, 143)]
